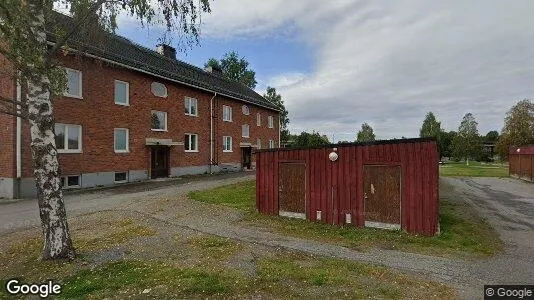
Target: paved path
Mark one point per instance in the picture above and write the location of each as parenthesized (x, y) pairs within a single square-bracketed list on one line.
[(508, 204)]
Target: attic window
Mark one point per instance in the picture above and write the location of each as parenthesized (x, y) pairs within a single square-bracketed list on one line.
[(159, 89)]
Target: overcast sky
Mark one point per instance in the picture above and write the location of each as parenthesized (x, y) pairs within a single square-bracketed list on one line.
[(340, 63)]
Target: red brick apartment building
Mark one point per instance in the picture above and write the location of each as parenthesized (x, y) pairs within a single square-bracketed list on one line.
[(131, 114)]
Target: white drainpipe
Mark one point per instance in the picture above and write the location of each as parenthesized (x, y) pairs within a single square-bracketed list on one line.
[(211, 131), (19, 134)]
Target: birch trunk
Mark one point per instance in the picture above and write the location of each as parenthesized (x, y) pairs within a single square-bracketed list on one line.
[(57, 240)]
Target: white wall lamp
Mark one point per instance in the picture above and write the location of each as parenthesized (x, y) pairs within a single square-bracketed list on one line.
[(333, 155)]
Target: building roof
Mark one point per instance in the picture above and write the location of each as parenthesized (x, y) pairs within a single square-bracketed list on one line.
[(124, 52)]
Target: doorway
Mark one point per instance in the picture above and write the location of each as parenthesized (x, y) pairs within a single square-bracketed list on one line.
[(292, 190), (382, 196), (246, 155), (159, 159)]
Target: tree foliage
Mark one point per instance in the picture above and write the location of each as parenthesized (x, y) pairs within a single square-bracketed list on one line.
[(24, 25), (277, 100), (431, 127), (466, 144), (366, 133), (518, 127), (492, 136), (305, 139), (234, 68)]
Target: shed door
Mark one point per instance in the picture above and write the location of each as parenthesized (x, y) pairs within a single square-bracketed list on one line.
[(292, 190), (382, 193)]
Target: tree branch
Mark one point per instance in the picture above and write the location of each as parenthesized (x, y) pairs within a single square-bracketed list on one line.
[(13, 101), (15, 114)]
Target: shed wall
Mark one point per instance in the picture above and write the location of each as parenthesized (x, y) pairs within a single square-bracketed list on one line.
[(521, 163), (336, 188)]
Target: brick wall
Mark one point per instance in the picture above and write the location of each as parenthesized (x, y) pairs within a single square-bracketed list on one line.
[(99, 115), (7, 124)]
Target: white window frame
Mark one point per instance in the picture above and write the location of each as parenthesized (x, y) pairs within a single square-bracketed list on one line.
[(121, 181), (188, 136), (80, 84), (229, 115), (127, 140), (270, 122), (66, 139), (245, 131), (152, 89), (191, 100), (166, 120), (66, 182), (245, 109), (127, 93), (258, 119), (271, 144), (224, 144)]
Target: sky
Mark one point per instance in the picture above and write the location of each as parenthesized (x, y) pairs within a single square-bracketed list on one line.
[(340, 63)]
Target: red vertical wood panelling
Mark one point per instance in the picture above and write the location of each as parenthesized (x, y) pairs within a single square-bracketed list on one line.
[(405, 187), (346, 181), (425, 157), (420, 187), (359, 206), (258, 182), (435, 190), (412, 225)]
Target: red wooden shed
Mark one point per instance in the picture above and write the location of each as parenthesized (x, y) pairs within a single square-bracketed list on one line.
[(521, 162), (388, 184)]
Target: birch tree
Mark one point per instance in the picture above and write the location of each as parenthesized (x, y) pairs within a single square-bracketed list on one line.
[(33, 63), (466, 144), (366, 134)]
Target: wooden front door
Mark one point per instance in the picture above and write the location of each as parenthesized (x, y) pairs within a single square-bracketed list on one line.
[(292, 189), (159, 162), (382, 193), (246, 154)]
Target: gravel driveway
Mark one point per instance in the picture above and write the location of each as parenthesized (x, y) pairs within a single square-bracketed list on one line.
[(508, 205)]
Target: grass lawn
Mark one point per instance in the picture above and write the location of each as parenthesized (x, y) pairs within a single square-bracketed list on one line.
[(475, 169), (131, 258), (463, 232)]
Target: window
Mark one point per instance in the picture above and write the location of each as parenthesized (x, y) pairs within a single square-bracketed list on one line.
[(245, 130), (227, 144), (191, 142), (258, 143), (74, 83), (159, 120), (246, 110), (121, 143), (271, 122), (191, 108), (121, 177), (271, 144), (122, 92), (158, 89), (258, 119), (70, 182), (68, 138), (227, 113)]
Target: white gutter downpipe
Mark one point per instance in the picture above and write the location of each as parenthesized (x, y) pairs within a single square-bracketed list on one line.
[(211, 131), (19, 133)]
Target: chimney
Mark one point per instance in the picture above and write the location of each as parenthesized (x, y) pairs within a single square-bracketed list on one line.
[(213, 70), (166, 50)]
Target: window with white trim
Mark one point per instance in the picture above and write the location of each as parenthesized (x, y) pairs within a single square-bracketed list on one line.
[(191, 142), (158, 121), (191, 106), (270, 122), (68, 138), (246, 110), (245, 130), (258, 119), (121, 140), (258, 143), (121, 177), (122, 92), (227, 144), (74, 83), (271, 144), (158, 89), (71, 182), (227, 113)]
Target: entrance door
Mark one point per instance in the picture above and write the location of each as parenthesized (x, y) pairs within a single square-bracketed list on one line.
[(292, 190), (246, 155), (382, 193), (160, 162)]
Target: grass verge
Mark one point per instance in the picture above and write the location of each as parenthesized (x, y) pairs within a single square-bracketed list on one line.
[(463, 232), (475, 169)]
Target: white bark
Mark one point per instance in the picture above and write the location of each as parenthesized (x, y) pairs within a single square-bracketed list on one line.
[(57, 241)]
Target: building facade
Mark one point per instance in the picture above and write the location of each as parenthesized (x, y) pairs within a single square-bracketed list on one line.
[(125, 120)]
